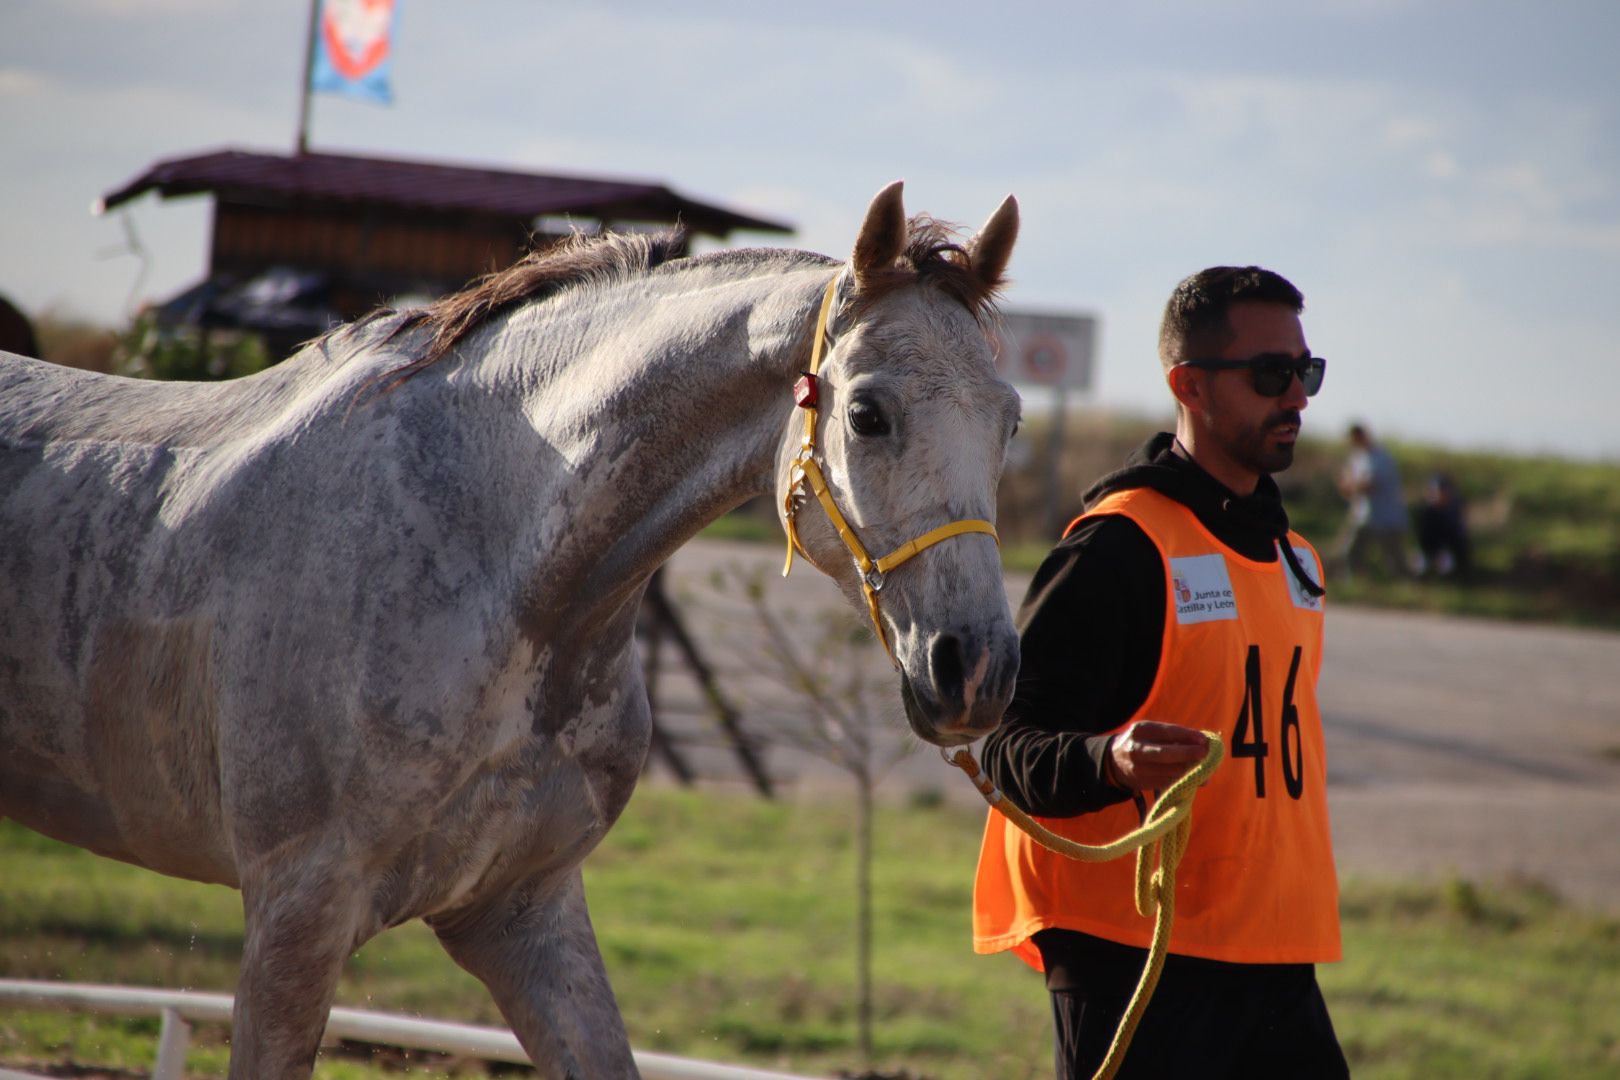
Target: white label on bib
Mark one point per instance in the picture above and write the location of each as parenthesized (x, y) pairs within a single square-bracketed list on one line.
[(1203, 589)]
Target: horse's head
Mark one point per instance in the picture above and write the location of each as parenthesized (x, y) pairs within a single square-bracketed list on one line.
[(905, 440)]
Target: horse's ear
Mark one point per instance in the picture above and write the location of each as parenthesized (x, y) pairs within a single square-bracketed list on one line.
[(992, 247), (883, 234)]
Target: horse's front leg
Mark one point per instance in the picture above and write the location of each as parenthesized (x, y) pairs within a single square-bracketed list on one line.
[(302, 916), (535, 950)]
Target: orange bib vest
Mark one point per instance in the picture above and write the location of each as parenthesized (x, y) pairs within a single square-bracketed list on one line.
[(1241, 651)]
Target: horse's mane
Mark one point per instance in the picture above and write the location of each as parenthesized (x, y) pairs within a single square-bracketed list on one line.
[(575, 260), (932, 257)]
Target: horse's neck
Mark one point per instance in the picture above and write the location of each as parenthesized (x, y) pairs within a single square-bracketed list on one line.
[(666, 398)]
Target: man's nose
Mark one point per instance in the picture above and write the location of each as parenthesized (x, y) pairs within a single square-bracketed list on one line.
[(1294, 397)]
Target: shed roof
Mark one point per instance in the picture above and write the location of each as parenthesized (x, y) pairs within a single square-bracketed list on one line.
[(429, 187)]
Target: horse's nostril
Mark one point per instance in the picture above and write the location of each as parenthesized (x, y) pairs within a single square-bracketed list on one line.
[(945, 659)]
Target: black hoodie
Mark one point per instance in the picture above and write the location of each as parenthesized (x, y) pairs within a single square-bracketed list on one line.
[(1092, 624)]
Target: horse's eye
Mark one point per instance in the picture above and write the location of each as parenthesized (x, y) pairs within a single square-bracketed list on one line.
[(866, 418)]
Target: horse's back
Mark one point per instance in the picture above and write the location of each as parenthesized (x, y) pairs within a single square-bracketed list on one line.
[(44, 402)]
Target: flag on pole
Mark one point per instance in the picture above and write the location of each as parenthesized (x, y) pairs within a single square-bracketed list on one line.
[(354, 49)]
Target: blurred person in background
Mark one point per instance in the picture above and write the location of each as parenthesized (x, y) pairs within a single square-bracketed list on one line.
[(1377, 522), (1443, 529)]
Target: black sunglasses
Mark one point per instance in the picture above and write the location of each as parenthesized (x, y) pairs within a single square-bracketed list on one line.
[(1272, 372)]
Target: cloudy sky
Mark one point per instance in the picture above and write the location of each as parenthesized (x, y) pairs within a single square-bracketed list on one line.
[(1440, 177)]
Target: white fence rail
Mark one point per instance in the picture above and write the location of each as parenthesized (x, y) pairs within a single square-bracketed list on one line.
[(180, 1009)]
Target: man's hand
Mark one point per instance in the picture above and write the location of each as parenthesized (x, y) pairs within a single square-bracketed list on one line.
[(1150, 756)]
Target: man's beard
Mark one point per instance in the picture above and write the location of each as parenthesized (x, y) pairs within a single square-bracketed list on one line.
[(1257, 453)]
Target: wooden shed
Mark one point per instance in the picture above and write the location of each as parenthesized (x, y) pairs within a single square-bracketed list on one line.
[(302, 241)]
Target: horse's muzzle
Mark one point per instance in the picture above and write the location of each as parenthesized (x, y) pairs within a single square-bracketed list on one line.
[(969, 685)]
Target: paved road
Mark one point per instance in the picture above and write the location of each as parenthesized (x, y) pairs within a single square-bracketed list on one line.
[(1455, 747)]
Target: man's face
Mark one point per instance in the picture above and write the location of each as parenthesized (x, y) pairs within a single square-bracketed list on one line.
[(1255, 433)]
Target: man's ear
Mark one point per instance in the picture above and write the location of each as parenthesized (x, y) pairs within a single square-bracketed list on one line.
[(1187, 387)]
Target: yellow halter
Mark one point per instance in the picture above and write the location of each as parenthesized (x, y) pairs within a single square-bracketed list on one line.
[(805, 470)]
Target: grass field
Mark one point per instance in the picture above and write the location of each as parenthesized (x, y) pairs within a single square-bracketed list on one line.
[(726, 924)]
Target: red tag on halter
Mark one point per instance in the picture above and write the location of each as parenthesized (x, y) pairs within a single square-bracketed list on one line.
[(804, 391)]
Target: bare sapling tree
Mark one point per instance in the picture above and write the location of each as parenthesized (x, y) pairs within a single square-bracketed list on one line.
[(836, 709)]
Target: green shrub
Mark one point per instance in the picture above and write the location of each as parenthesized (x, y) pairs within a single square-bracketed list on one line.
[(148, 351)]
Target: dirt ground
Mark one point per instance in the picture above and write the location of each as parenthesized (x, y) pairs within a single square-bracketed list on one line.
[(1467, 748)]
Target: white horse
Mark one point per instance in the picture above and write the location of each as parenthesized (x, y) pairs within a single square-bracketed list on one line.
[(354, 634)]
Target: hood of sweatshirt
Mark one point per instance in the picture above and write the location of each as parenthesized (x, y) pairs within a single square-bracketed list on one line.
[(1255, 526)]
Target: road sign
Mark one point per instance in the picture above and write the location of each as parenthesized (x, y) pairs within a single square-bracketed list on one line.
[(1045, 349)]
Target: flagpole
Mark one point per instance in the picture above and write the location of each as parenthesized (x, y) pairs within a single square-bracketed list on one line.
[(309, 72)]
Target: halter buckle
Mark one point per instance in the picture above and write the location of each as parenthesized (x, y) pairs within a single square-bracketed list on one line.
[(874, 579)]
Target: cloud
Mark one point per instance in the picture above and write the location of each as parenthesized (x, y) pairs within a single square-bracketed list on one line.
[(17, 83), (1439, 165), (131, 9)]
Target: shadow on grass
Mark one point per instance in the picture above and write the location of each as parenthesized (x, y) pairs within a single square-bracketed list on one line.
[(121, 935)]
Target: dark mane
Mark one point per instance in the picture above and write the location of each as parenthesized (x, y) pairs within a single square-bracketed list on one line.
[(573, 261), (934, 257)]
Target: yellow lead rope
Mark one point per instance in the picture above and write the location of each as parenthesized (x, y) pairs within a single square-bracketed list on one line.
[(1167, 827)]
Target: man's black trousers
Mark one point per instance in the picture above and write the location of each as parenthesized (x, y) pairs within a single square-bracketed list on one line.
[(1207, 1019)]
